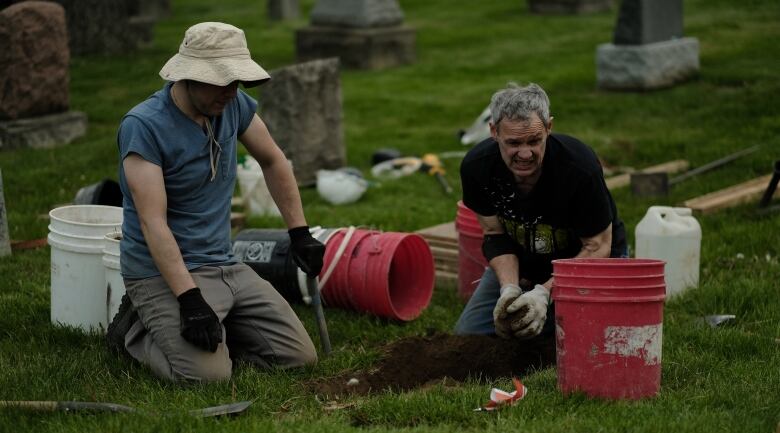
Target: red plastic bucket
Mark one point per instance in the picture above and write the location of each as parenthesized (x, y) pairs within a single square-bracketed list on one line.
[(387, 274), (335, 293), (471, 262), (609, 326)]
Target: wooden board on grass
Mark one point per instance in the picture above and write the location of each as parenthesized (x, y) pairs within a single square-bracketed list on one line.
[(745, 192), (624, 179)]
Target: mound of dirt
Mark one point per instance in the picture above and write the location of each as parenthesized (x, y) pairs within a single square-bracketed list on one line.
[(416, 361)]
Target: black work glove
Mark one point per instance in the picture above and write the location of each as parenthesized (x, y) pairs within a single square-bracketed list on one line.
[(199, 324), (307, 252)]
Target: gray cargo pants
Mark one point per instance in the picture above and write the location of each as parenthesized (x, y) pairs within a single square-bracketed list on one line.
[(259, 326)]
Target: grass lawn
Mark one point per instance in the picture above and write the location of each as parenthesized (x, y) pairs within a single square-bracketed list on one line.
[(724, 379)]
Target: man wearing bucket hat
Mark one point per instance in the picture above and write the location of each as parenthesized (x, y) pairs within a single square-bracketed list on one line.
[(191, 308), (538, 197)]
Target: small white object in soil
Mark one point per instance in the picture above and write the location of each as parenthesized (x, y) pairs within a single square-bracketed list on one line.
[(352, 382)]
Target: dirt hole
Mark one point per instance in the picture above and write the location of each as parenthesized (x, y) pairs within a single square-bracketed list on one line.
[(416, 361)]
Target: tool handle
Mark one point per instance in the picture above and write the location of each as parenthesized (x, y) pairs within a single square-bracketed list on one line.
[(770, 189), (713, 164), (319, 314), (43, 406), (444, 184), (50, 406)]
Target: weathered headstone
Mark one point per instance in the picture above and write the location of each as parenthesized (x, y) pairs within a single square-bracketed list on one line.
[(106, 26), (364, 34), (644, 22), (649, 50), (154, 9), (5, 239), (279, 10), (301, 106), (34, 60), (34, 78), (568, 6)]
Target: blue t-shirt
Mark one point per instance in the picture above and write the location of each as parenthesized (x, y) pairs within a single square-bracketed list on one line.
[(198, 208)]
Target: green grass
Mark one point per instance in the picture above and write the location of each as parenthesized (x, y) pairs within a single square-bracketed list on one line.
[(725, 379)]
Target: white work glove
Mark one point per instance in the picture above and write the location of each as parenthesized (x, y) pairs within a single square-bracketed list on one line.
[(509, 293), (528, 312)]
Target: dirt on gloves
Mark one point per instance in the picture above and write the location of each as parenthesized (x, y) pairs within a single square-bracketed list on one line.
[(418, 361), (509, 319)]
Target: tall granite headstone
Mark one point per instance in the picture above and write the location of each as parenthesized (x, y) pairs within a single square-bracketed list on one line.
[(364, 34), (5, 239), (544, 7), (279, 10), (301, 106), (649, 50), (34, 77)]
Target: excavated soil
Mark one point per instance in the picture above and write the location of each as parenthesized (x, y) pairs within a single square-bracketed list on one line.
[(417, 361)]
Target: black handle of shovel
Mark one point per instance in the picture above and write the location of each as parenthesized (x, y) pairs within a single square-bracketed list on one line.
[(319, 314), (770, 189)]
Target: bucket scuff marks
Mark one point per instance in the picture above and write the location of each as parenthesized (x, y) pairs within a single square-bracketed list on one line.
[(641, 341)]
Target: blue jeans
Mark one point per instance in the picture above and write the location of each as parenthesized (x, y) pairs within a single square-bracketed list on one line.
[(477, 317)]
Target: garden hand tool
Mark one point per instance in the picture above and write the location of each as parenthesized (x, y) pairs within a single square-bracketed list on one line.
[(432, 165), (71, 406)]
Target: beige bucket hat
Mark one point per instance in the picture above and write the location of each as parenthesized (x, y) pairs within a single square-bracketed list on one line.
[(214, 53)]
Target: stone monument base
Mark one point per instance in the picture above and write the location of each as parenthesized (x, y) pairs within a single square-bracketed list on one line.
[(358, 48), (568, 6), (648, 66), (46, 131)]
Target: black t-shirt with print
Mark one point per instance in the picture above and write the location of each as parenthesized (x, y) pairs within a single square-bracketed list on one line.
[(570, 201)]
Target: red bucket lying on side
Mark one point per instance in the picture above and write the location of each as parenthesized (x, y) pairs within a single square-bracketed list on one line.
[(388, 274), (609, 326)]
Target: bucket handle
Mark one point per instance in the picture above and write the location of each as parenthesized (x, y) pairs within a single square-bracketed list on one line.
[(337, 257)]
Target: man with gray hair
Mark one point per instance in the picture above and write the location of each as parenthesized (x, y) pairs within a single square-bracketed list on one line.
[(191, 308), (538, 196)]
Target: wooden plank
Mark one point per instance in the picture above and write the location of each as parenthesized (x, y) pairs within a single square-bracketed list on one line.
[(444, 278), (624, 179), (443, 232), (444, 253), (745, 192), (435, 243)]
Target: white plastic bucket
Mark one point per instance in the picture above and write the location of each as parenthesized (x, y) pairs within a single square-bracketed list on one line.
[(671, 234), (78, 282), (254, 191), (115, 285)]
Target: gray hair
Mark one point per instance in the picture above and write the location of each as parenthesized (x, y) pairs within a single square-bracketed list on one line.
[(519, 103)]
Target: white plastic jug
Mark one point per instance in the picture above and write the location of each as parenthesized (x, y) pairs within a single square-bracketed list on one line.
[(673, 235)]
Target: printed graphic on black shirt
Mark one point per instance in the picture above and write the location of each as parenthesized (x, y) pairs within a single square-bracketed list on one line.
[(523, 223)]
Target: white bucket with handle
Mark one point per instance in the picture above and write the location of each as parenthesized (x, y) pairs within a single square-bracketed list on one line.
[(78, 281)]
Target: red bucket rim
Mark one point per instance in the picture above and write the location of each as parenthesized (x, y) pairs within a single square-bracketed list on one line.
[(614, 277), (609, 261)]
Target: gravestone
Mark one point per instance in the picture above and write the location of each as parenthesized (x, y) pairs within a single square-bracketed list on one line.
[(34, 77), (5, 239), (301, 106), (107, 26), (364, 34), (279, 10), (568, 6), (649, 50), (154, 9)]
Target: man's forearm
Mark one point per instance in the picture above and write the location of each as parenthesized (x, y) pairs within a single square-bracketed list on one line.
[(284, 190), (507, 269), (167, 256)]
